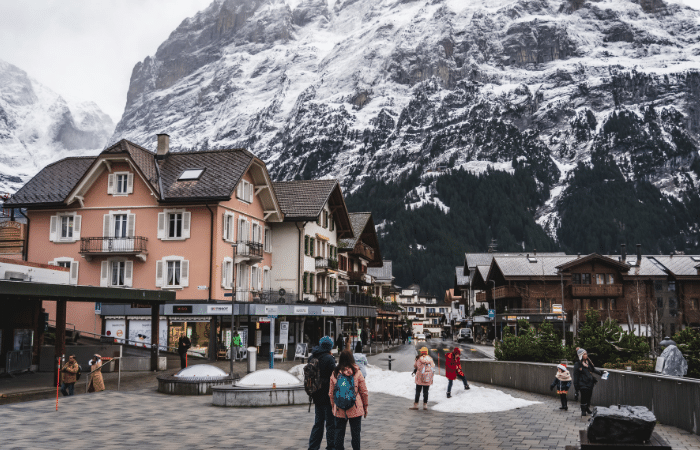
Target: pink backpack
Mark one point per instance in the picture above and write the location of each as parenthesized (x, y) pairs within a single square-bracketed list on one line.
[(425, 372)]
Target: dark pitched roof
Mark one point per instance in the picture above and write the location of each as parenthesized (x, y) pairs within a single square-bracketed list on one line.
[(304, 199), (53, 183), (460, 278), (594, 256), (383, 273), (359, 222), (142, 157), (223, 170)]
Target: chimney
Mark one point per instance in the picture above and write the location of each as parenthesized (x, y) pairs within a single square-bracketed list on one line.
[(163, 146), (639, 253), (623, 250)]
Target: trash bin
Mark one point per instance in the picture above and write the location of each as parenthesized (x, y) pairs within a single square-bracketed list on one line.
[(252, 358)]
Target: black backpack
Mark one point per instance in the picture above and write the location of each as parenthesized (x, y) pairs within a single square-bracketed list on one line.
[(312, 378), (80, 372)]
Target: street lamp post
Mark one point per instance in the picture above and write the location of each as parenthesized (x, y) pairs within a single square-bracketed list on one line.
[(495, 315), (233, 300), (563, 313)]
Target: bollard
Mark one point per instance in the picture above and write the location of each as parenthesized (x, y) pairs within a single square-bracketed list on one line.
[(389, 362)]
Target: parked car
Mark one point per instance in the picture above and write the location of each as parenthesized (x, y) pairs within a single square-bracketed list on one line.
[(428, 335), (420, 337), (465, 334)]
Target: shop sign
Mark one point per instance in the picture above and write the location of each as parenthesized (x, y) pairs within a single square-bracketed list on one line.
[(218, 309), (556, 309), (140, 305), (523, 317), (510, 318), (553, 318), (270, 309), (263, 320), (327, 311), (301, 310), (182, 309)]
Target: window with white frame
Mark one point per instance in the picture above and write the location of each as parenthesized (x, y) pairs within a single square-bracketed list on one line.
[(268, 240), (172, 272), (418, 310), (410, 309), (243, 227), (65, 227), (228, 226), (117, 272), (245, 191), (70, 264), (227, 273), (266, 279), (242, 277), (174, 224), (120, 183), (255, 278), (257, 233)]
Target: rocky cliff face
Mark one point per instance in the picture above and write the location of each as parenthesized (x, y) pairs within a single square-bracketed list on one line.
[(372, 89), (38, 126)]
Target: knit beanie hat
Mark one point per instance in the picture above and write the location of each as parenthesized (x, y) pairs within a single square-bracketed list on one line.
[(326, 343), (580, 352), (424, 350), (562, 367), (457, 350)]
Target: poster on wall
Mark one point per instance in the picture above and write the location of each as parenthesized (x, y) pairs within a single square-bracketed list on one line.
[(243, 331), (140, 333), (116, 329), (258, 338), (24, 339), (284, 333)]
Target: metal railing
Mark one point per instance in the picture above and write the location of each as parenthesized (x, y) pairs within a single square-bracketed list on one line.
[(249, 248), (360, 277), (135, 244), (596, 290), (362, 249), (326, 263), (506, 292), (18, 361)]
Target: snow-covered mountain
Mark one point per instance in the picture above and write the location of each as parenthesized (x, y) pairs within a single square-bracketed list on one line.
[(38, 126), (375, 88)]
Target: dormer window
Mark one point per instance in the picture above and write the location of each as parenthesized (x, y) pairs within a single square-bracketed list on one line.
[(120, 183), (190, 175), (245, 191)]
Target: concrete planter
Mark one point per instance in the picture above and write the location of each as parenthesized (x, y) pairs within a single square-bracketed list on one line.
[(169, 384), (240, 396)]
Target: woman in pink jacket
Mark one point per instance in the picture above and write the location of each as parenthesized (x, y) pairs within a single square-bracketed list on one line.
[(347, 370), (424, 376)]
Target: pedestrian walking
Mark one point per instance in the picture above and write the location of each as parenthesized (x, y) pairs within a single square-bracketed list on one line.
[(96, 383), (183, 344), (423, 371), (69, 376), (324, 366), (350, 399), (584, 381), (358, 346), (340, 342), (236, 346), (363, 336), (453, 370), (562, 382)]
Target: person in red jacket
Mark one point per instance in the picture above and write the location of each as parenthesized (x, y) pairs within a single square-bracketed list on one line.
[(453, 369)]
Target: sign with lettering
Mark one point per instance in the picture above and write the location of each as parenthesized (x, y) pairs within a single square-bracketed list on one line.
[(301, 310), (492, 313), (182, 309), (219, 309), (556, 309), (270, 309), (327, 311), (284, 332), (140, 305)]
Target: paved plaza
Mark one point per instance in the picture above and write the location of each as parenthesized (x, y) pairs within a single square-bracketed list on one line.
[(140, 417)]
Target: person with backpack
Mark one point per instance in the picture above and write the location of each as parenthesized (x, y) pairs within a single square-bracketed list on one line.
[(423, 370), (350, 399), (317, 375)]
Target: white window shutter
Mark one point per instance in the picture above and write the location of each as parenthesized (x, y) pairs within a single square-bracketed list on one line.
[(129, 273), (104, 274), (110, 183), (184, 273), (223, 275), (231, 227), (74, 272), (259, 279), (225, 227), (159, 273), (161, 225), (130, 183), (53, 232), (250, 192), (186, 217), (239, 194), (106, 228), (76, 227), (131, 225)]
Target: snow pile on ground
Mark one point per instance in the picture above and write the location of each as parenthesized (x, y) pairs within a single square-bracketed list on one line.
[(298, 371), (475, 400)]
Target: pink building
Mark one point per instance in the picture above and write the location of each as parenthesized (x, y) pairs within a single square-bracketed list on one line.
[(132, 218)]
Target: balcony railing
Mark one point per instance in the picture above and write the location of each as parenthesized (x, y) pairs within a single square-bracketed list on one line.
[(596, 290), (112, 245), (326, 264), (482, 297), (506, 292), (250, 249), (364, 250), (435, 314), (360, 277)]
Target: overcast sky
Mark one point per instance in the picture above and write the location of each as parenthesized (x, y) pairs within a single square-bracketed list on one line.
[(86, 49)]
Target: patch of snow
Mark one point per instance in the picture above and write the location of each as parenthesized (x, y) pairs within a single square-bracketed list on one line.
[(479, 167), (474, 401), (267, 377)]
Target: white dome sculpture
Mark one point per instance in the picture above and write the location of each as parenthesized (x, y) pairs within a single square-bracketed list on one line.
[(265, 378), (201, 371)]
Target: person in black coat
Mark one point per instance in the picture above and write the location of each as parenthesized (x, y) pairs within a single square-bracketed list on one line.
[(322, 402), (183, 344), (584, 381)]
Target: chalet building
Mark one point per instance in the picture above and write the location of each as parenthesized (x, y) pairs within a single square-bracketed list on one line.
[(383, 281), (132, 218), (360, 252), (653, 295), (423, 308)]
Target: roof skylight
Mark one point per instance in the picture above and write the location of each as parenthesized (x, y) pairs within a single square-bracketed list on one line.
[(190, 174)]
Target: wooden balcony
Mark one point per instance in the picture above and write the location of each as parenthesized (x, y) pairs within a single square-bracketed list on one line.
[(506, 292), (363, 250), (360, 278), (94, 246), (596, 290), (482, 297)]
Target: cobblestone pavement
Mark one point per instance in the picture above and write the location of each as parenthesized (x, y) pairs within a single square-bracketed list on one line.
[(142, 418)]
